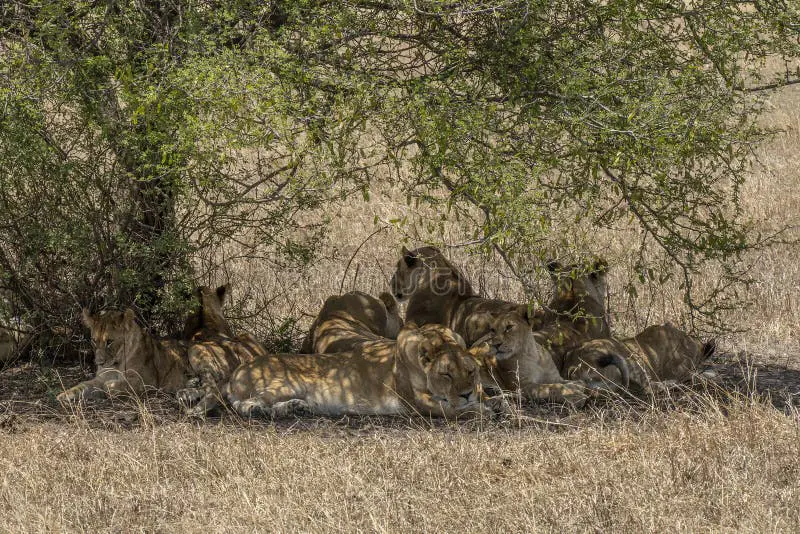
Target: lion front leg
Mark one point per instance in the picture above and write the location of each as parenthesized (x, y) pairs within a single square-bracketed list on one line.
[(202, 402), (90, 389), (107, 383), (425, 405), (572, 392)]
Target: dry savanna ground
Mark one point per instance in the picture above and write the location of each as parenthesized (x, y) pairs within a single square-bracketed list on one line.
[(724, 459)]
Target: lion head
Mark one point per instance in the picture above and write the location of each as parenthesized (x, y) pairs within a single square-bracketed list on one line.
[(426, 267), (108, 330), (441, 364), (207, 318), (507, 332), (579, 294)]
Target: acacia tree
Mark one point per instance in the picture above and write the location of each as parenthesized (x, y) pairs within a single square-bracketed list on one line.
[(136, 135)]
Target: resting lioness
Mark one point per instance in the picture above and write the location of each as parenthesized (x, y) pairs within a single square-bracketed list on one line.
[(437, 293), (207, 319), (129, 359), (353, 318), (426, 371), (576, 313), (214, 352), (659, 353), (524, 365)]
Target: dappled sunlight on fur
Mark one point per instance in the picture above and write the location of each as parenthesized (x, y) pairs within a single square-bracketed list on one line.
[(425, 371)]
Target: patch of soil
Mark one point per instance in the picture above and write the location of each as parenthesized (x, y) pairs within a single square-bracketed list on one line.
[(750, 374)]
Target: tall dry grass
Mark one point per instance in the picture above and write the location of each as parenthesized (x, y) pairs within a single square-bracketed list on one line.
[(713, 470)]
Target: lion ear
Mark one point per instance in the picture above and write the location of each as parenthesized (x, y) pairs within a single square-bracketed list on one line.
[(460, 340), (409, 257), (554, 267), (87, 318), (389, 302), (525, 312), (222, 292)]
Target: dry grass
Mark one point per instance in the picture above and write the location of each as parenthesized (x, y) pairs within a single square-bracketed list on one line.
[(663, 472), (732, 465)]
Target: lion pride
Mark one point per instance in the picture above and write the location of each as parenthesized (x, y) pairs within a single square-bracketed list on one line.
[(437, 292)]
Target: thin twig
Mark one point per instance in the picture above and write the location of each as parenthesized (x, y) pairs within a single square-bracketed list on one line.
[(344, 274)]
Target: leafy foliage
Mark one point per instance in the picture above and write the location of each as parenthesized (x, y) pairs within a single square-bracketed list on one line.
[(137, 138)]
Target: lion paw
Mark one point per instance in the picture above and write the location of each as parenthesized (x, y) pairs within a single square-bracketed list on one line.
[(250, 408), (293, 407), (189, 397), (71, 396)]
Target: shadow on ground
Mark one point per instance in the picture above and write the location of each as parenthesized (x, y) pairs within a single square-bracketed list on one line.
[(28, 390)]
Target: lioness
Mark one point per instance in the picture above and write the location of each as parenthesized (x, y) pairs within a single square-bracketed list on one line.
[(437, 293), (129, 359), (214, 352), (207, 319), (524, 365), (576, 313), (659, 353), (347, 320), (427, 370)]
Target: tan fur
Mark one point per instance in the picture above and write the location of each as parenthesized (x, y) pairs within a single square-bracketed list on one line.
[(524, 365), (350, 319), (426, 371), (214, 351), (657, 354), (128, 359), (207, 318), (576, 313), (11, 342), (437, 293), (213, 360)]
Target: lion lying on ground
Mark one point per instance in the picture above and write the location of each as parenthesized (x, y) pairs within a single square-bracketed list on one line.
[(350, 319), (660, 353), (525, 365), (426, 371), (438, 293), (207, 318), (214, 352), (576, 313), (129, 360)]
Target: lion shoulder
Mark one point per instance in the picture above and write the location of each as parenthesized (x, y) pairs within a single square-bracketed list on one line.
[(345, 321)]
